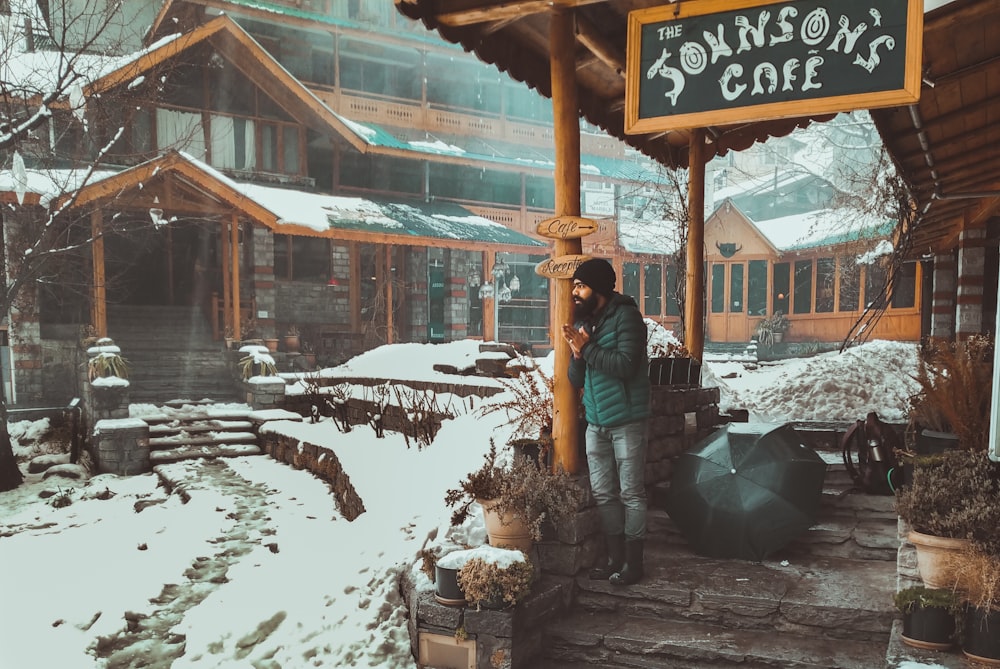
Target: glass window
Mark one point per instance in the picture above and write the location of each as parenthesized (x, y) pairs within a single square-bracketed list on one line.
[(736, 289), (850, 284), (654, 287), (673, 305), (302, 258), (875, 285), (781, 287), (268, 148), (630, 280), (904, 286), (802, 303), (826, 277), (718, 288), (290, 149), (757, 288)]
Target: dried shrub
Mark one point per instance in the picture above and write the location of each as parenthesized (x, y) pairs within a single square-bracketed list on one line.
[(955, 380), (524, 489), (483, 580), (977, 577), (955, 494), (530, 408)]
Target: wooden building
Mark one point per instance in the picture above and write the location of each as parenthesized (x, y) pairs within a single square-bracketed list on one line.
[(327, 168)]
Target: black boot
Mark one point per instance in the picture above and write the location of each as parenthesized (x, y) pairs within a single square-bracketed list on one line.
[(632, 571), (615, 545)]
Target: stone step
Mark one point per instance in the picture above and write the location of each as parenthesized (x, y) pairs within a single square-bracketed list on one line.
[(208, 439), (609, 640), (198, 427), (823, 597), (189, 452)]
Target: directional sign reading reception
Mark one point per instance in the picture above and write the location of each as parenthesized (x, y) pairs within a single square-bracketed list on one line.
[(566, 227), (561, 267), (717, 62)]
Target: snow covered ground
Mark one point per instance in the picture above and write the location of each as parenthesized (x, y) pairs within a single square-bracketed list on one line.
[(258, 569)]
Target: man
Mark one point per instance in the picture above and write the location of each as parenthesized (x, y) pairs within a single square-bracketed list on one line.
[(608, 341)]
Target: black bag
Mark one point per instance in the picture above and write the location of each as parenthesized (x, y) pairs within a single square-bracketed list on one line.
[(869, 451)]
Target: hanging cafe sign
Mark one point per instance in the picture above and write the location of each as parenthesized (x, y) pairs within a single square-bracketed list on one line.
[(564, 227), (714, 62)]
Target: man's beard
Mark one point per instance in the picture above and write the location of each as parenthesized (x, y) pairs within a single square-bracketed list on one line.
[(584, 308)]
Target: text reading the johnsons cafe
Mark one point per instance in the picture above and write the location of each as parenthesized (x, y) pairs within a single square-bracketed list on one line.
[(690, 65)]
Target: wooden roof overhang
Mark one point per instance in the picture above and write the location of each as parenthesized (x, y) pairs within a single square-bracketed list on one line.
[(514, 36), (182, 187), (243, 52), (947, 146)]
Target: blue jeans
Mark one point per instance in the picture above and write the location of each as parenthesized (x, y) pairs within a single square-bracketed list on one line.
[(616, 457)]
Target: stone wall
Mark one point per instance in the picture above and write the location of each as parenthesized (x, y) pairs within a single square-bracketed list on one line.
[(322, 462)]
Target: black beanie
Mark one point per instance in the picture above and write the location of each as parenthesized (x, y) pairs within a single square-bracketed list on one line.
[(598, 274)]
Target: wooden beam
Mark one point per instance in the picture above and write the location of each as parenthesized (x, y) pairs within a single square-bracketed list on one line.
[(694, 303), (470, 12), (566, 127), (234, 252), (598, 45), (99, 304)]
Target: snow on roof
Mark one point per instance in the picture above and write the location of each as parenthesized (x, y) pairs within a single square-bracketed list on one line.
[(643, 236), (821, 228)]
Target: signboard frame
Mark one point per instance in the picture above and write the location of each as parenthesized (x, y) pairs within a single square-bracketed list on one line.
[(669, 22)]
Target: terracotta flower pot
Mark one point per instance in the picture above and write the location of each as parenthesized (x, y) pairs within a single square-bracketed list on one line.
[(508, 531), (932, 556)]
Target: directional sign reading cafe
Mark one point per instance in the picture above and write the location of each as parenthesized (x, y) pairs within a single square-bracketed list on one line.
[(716, 62)]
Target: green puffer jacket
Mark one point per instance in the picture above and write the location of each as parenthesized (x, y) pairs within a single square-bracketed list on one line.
[(614, 369)]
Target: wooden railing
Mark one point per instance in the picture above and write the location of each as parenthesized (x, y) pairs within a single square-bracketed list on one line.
[(411, 114)]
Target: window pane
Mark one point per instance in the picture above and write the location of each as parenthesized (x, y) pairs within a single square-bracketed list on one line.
[(654, 286), (310, 259), (630, 280), (269, 148), (875, 280), (905, 286), (736, 289), (825, 279), (850, 284), (673, 306), (757, 288), (282, 257), (718, 288), (780, 297), (290, 146), (803, 287)]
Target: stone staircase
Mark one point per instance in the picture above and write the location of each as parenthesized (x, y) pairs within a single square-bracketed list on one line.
[(171, 354), (824, 601), (183, 431)]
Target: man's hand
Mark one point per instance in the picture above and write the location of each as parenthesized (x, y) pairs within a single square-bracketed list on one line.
[(576, 338)]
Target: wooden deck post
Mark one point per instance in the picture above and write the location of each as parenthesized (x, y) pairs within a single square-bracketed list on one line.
[(234, 266), (99, 304), (566, 402), (694, 298)]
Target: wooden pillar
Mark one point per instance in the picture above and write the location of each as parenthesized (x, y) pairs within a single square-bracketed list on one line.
[(566, 117), (227, 295), (694, 300), (171, 298), (99, 304), (389, 276), (234, 265)]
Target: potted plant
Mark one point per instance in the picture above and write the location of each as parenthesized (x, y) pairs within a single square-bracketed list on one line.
[(107, 363), (977, 572), (929, 616), (952, 407), (292, 340), (771, 330), (516, 498), (256, 361), (495, 578), (950, 505)]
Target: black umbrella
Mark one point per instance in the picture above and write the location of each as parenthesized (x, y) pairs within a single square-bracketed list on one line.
[(746, 490)]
